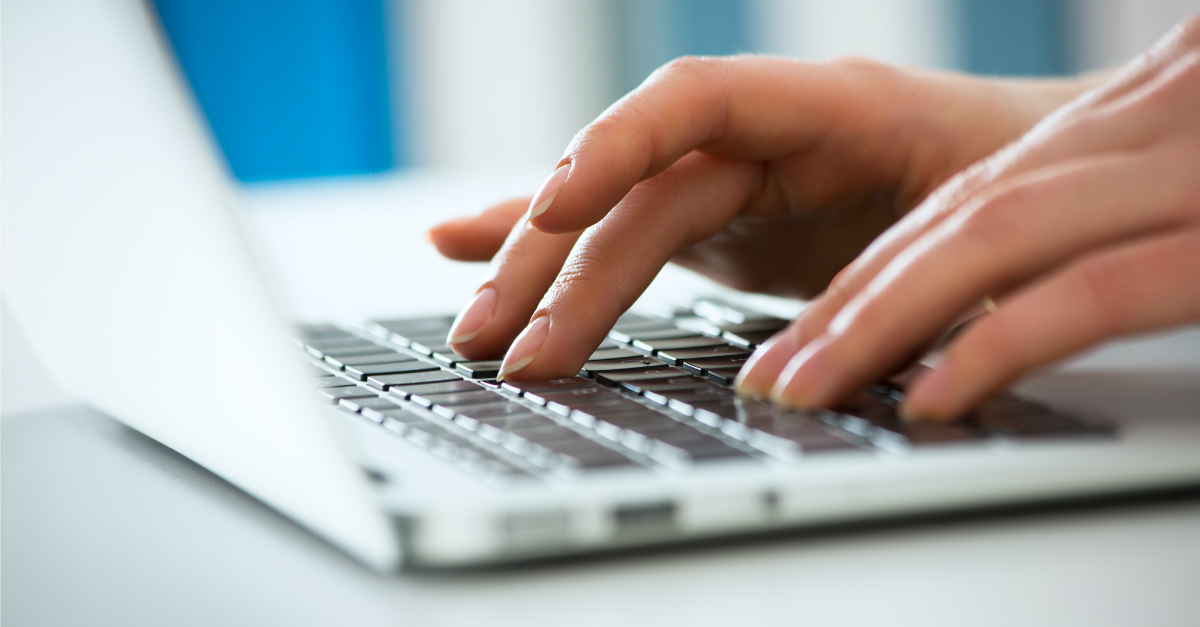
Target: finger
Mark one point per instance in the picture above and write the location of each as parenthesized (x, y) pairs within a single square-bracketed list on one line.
[(478, 238), (753, 108), (1139, 117), (522, 271), (1149, 284), (1026, 227), (615, 260)]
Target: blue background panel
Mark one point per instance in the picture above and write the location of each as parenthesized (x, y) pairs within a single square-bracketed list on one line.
[(291, 88)]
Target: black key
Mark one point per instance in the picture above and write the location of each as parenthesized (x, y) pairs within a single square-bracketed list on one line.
[(749, 340), (351, 351), (696, 341), (363, 372), (612, 353), (386, 381), (607, 344), (612, 404), (521, 387), (694, 395), (455, 399), (630, 317), (615, 377), (404, 390), (373, 402), (501, 407), (480, 369), (429, 348), (648, 324), (668, 333), (704, 366), (403, 330), (497, 425), (764, 324), (378, 414), (674, 357), (333, 395), (592, 368), (341, 341), (724, 376), (573, 396), (674, 384), (364, 360), (448, 358), (708, 448)]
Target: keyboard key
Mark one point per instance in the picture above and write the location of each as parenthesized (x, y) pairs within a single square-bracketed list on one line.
[(455, 399), (404, 390), (615, 377), (670, 332), (704, 366), (521, 387), (724, 376), (364, 372), (386, 381), (613, 353), (340, 341), (379, 414), (480, 369), (333, 395), (592, 368), (356, 404), (501, 407), (679, 343), (572, 397), (351, 351), (363, 360), (677, 356), (748, 340)]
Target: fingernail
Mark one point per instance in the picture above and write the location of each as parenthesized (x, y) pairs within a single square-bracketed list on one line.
[(759, 373), (803, 382), (548, 192), (473, 317), (525, 348)]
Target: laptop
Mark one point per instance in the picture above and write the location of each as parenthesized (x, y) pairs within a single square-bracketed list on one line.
[(128, 266)]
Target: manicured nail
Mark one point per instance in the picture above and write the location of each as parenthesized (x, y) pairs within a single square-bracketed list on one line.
[(548, 192), (473, 317), (804, 381), (525, 348), (759, 373)]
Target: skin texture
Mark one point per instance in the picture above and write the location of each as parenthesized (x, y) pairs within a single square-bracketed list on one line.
[(899, 199)]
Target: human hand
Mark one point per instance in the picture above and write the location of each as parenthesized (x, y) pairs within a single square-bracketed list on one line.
[(1086, 228), (766, 174)]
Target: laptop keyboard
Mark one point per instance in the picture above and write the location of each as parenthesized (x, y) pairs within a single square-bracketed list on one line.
[(656, 395)]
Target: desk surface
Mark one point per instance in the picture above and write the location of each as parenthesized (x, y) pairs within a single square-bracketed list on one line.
[(104, 526)]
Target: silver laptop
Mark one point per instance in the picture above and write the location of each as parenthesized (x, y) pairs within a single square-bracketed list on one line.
[(129, 271)]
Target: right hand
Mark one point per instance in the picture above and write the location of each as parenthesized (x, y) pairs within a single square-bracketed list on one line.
[(765, 174)]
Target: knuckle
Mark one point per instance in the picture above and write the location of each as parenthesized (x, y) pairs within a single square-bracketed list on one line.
[(1188, 31), (688, 65)]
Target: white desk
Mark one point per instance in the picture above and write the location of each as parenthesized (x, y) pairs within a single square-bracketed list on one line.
[(103, 526)]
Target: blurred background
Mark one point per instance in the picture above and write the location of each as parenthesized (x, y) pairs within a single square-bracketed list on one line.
[(315, 88)]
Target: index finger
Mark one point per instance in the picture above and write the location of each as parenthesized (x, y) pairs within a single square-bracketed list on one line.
[(740, 107)]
